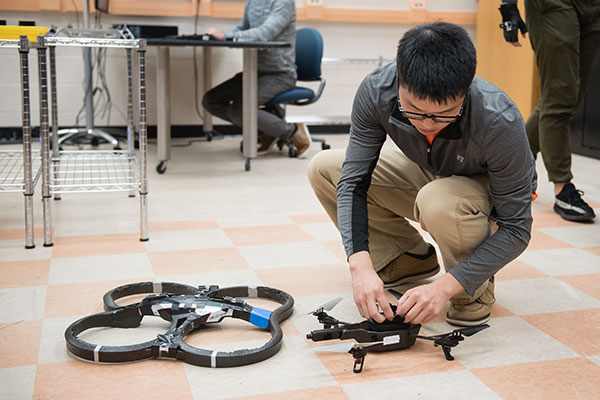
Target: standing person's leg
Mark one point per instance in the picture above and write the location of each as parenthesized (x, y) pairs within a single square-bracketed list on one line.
[(390, 201), (554, 35), (456, 212), (218, 100)]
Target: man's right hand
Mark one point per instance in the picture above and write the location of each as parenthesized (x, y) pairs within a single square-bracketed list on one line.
[(368, 288), (216, 33)]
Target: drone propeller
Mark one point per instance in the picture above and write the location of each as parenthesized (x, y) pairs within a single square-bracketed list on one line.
[(472, 330), (327, 306)]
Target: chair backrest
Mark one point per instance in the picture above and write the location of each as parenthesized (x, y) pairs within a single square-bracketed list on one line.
[(309, 52)]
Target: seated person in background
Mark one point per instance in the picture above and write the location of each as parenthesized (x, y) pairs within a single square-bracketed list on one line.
[(264, 20), (461, 167)]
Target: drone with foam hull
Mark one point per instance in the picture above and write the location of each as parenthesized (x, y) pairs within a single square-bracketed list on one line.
[(371, 336)]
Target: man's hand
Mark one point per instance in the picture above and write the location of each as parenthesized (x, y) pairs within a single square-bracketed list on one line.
[(512, 22), (368, 288), (423, 303), (216, 33)]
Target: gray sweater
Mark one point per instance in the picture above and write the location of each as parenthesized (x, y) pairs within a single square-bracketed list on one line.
[(269, 21), (489, 139)]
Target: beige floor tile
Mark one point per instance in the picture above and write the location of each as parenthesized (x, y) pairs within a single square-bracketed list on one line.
[(453, 385), (287, 255), (541, 241), (14, 250), (307, 281), (550, 219), (518, 270), (197, 261), (556, 262), (148, 380), (17, 382), (337, 248), (549, 380), (321, 231), (541, 295), (588, 284), (79, 298), (421, 358), (187, 240), (582, 235), (579, 330), (24, 273), (79, 246), (293, 368), (20, 343), (255, 235), (19, 234), (595, 250), (22, 304), (135, 267), (329, 393), (310, 218), (509, 340), (157, 226)]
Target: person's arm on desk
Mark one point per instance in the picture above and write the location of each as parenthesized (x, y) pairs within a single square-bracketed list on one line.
[(282, 13)]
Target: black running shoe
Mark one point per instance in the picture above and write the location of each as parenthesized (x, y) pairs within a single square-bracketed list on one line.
[(571, 206)]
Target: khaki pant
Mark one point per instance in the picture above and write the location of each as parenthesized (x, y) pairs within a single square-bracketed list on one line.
[(454, 210)]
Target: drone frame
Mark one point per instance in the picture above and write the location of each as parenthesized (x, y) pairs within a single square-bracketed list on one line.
[(188, 308)]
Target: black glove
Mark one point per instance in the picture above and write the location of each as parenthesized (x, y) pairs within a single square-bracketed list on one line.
[(511, 21)]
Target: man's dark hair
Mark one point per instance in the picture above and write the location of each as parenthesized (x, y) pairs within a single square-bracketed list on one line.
[(436, 61)]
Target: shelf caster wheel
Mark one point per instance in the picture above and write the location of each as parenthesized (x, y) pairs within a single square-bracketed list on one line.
[(242, 146), (161, 167), (209, 136), (293, 152), (117, 148), (247, 164), (325, 146), (95, 142)]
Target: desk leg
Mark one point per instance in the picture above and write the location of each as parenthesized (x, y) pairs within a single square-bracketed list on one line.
[(207, 85), (250, 107), (163, 134)]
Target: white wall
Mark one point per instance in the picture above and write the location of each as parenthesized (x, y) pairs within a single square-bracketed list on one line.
[(342, 40)]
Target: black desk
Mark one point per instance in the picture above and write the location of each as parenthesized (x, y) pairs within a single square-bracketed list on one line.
[(250, 88)]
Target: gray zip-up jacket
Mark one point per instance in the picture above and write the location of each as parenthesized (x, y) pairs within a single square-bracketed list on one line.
[(269, 21), (488, 139)]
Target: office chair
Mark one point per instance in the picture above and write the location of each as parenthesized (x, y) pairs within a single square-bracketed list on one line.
[(309, 52)]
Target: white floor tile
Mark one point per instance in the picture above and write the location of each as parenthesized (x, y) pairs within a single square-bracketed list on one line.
[(14, 250), (287, 255), (188, 240), (458, 385), (595, 359), (99, 268), (579, 236), (17, 382), (22, 304), (557, 262), (223, 279), (294, 367), (541, 295)]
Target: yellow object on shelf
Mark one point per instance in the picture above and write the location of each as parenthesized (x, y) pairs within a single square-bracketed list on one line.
[(9, 32)]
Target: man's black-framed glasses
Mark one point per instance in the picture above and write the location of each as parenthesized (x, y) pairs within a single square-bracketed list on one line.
[(443, 119)]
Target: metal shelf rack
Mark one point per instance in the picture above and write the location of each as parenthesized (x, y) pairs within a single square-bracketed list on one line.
[(92, 171), (17, 167)]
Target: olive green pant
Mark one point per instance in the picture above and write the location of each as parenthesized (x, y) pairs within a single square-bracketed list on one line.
[(454, 210), (565, 36)]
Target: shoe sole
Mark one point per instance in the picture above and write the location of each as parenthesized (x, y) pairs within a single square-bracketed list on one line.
[(573, 218), (413, 278), (467, 323)]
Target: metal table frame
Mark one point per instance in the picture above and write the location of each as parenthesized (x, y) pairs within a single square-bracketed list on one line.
[(16, 167), (92, 171), (250, 89)]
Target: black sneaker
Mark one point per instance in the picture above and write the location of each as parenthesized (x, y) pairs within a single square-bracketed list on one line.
[(571, 206)]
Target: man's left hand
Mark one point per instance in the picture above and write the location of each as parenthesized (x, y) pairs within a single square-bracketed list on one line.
[(423, 303)]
